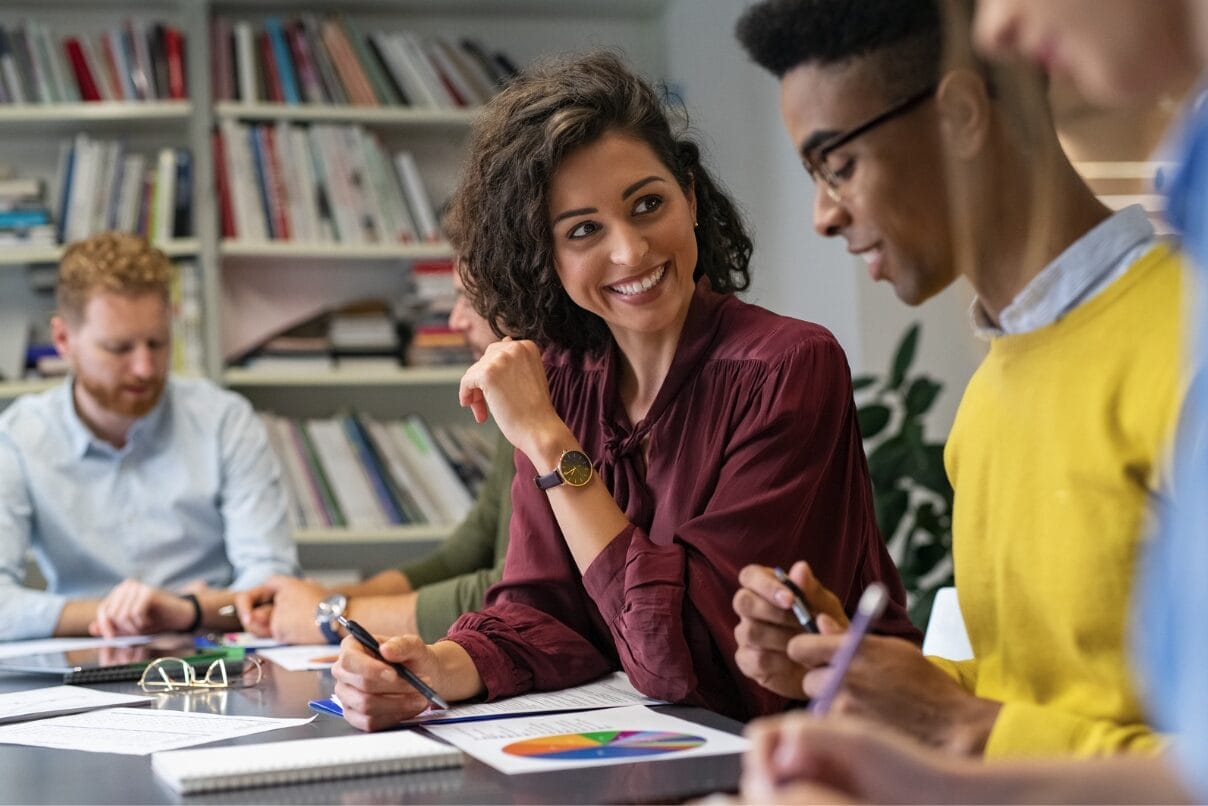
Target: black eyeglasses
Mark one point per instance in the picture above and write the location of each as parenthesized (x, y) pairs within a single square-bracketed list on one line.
[(834, 176)]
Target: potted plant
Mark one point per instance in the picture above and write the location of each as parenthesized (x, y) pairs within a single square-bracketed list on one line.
[(911, 491)]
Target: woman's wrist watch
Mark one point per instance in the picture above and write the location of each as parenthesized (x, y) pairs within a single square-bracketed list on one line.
[(325, 615), (574, 468)]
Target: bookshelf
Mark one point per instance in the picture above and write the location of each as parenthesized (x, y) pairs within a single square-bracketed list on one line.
[(240, 278)]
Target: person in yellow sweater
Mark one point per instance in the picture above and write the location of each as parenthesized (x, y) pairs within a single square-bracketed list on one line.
[(1056, 453)]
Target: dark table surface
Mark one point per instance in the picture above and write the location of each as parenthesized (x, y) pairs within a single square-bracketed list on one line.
[(40, 775)]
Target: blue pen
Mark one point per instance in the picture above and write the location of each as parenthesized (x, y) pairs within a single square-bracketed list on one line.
[(871, 606), (369, 642)]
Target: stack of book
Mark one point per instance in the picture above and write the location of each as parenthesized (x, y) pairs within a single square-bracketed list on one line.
[(314, 61), (136, 61), (433, 341), (24, 215), (318, 184), (100, 185), (360, 472), (361, 335)]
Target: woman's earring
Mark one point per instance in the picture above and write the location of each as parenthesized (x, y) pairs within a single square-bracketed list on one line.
[(695, 224)]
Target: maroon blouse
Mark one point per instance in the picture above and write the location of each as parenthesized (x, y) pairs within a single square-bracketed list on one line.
[(755, 457)]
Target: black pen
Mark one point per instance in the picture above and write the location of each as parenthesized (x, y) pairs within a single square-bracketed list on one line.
[(369, 642), (800, 609)]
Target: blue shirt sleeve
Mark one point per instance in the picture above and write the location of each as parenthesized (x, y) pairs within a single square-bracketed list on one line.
[(24, 613)]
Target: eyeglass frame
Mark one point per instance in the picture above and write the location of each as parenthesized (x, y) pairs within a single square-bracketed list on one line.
[(815, 159), (192, 682)]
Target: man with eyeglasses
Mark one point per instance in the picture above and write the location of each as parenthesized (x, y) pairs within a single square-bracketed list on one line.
[(931, 169)]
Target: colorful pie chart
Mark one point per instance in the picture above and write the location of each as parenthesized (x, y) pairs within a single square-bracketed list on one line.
[(604, 744)]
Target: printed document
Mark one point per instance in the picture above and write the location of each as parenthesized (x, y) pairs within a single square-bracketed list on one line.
[(39, 703), (589, 739), (302, 658), (613, 691), (136, 731)]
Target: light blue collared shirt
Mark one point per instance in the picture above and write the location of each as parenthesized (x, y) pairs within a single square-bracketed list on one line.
[(195, 494), (1089, 265)]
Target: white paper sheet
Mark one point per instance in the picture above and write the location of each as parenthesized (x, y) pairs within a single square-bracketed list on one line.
[(136, 731), (613, 691), (15, 649), (303, 657), (39, 703), (595, 738)]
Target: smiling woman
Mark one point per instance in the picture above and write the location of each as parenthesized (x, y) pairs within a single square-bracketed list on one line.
[(666, 433)]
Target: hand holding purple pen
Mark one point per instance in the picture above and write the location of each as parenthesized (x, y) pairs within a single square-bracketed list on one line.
[(872, 605)]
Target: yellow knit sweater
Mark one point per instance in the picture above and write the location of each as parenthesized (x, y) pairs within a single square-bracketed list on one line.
[(1057, 448)]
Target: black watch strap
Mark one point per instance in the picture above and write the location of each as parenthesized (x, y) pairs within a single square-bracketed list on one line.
[(197, 615)]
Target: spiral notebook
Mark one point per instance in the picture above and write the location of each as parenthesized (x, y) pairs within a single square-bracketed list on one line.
[(271, 763)]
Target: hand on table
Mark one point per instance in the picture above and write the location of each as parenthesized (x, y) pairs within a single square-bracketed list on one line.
[(136, 608), (766, 625), (282, 607)]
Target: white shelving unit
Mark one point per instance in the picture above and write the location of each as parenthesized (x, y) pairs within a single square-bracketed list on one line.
[(328, 113), (26, 255), (293, 250)]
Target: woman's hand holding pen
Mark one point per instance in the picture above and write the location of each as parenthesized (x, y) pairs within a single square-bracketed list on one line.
[(766, 624), (375, 697)]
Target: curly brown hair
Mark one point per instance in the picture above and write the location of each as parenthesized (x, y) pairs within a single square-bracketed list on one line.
[(498, 219), (113, 262)]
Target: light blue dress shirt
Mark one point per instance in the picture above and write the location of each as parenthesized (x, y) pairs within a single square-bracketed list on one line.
[(195, 494), (1085, 268), (1171, 634)]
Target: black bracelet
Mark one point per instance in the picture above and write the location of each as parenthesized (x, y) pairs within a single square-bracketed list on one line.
[(196, 622)]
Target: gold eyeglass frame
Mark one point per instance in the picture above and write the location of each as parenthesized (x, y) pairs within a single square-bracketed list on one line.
[(157, 678)]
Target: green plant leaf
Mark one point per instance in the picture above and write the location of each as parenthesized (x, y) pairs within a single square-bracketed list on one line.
[(862, 382), (889, 462), (904, 357), (921, 394), (891, 507), (873, 418)]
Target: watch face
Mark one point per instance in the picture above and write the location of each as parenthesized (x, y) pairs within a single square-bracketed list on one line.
[(327, 610), (575, 468)]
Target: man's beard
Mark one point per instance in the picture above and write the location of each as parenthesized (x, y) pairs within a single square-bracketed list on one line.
[(115, 401)]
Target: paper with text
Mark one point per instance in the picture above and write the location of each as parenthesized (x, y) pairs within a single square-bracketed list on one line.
[(302, 658), (39, 703), (136, 731), (591, 739), (613, 691)]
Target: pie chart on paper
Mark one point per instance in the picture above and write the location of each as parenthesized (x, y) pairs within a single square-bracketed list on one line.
[(607, 744)]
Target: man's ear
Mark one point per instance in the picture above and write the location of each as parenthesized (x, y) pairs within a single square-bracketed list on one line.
[(964, 104), (62, 335)]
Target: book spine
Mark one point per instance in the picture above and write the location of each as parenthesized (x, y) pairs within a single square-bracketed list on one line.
[(259, 178), (308, 76), (335, 516), (268, 63), (375, 472), (345, 474), (405, 473), (143, 75), (79, 65), (245, 62), (283, 65), (379, 87), (278, 200), (222, 71), (332, 87), (350, 72), (63, 194), (25, 65), (417, 197), (39, 42), (96, 66), (226, 213), (182, 204), (174, 45)]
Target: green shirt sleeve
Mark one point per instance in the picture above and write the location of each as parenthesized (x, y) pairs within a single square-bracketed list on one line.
[(453, 579)]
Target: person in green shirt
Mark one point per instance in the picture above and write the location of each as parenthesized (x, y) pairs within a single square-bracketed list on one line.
[(424, 597)]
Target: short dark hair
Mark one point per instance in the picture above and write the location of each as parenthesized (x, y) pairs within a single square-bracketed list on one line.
[(905, 36), (498, 219)]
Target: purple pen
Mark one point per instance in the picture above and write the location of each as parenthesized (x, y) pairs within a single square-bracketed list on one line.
[(871, 606)]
